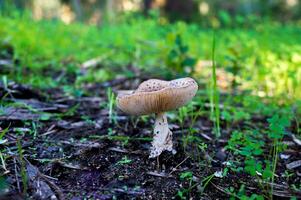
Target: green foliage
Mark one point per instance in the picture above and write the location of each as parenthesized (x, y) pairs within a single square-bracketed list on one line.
[(178, 59), (111, 105), (2, 134), (251, 144), (214, 94), (248, 143), (186, 175), (235, 115), (124, 161), (184, 192), (23, 168), (241, 194), (277, 125), (263, 62)]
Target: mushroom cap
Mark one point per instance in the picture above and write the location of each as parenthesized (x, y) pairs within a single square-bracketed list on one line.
[(155, 96)]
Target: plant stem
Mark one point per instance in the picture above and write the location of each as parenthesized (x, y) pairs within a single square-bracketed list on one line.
[(275, 159), (23, 167), (214, 94)]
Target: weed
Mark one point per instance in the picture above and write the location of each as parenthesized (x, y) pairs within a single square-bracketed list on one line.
[(250, 144), (183, 193), (111, 104), (214, 95), (23, 167), (124, 161), (277, 125), (241, 194), (3, 162), (206, 181), (72, 91), (178, 59), (2, 134)]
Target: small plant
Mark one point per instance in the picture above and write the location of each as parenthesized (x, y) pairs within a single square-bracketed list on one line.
[(23, 167), (178, 58), (234, 66), (277, 125), (185, 176), (241, 194), (214, 95), (3, 141), (124, 161), (250, 145), (72, 91), (111, 104), (206, 181)]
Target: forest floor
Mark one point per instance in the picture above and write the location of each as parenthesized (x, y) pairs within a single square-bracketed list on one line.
[(72, 148), (62, 136)]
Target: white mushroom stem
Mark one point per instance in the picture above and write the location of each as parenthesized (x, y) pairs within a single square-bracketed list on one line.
[(162, 139)]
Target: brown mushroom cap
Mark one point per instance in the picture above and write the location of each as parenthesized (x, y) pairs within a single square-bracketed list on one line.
[(155, 96)]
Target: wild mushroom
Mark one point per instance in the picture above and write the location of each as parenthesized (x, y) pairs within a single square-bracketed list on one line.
[(158, 96)]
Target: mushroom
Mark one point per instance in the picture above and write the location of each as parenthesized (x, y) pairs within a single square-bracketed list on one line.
[(158, 96)]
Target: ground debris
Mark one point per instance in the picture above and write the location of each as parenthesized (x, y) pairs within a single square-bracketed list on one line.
[(296, 140), (12, 113), (42, 106), (19, 91), (42, 189), (294, 164), (130, 191), (160, 174)]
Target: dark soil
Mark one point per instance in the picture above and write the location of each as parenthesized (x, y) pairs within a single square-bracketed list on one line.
[(72, 149)]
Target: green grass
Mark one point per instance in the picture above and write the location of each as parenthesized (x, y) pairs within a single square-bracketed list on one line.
[(269, 54), (214, 97), (23, 168)]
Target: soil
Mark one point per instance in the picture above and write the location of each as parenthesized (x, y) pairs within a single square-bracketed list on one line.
[(72, 149)]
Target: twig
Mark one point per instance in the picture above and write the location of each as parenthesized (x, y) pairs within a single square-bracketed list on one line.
[(296, 140), (206, 136), (50, 177), (159, 174), (54, 186), (77, 167), (116, 149), (46, 178), (222, 190), (48, 132), (175, 168)]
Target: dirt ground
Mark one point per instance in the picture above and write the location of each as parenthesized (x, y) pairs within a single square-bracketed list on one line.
[(70, 148)]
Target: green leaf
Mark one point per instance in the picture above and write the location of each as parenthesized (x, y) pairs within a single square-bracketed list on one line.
[(267, 173), (250, 166), (189, 62), (186, 175)]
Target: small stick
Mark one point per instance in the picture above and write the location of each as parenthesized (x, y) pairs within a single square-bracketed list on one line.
[(175, 168), (159, 174), (48, 132)]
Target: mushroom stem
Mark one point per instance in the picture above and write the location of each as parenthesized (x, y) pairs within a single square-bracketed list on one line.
[(162, 139)]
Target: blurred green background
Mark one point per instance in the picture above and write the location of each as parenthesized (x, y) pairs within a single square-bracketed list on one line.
[(73, 43)]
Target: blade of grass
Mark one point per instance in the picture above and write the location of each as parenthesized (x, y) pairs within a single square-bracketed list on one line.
[(23, 167), (214, 98)]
